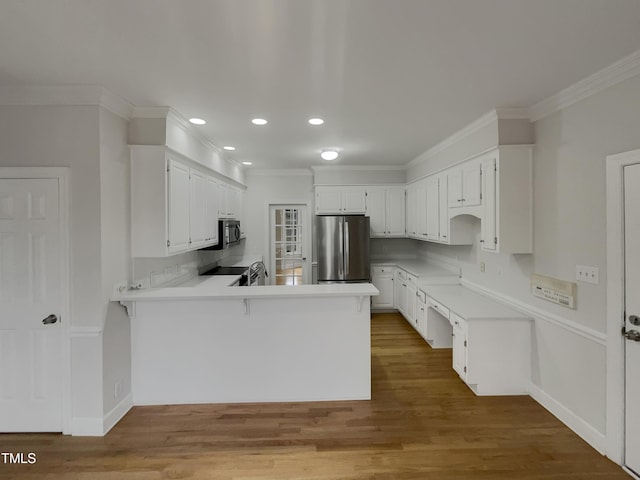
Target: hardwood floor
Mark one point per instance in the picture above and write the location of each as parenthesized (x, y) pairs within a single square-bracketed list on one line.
[(422, 423)]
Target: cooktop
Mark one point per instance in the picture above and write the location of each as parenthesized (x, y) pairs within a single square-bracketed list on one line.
[(226, 271)]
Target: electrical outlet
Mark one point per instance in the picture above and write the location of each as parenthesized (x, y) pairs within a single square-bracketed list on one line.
[(119, 288), (587, 274), (482, 267)]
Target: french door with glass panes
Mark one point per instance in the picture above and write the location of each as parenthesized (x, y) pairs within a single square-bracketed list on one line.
[(289, 244)]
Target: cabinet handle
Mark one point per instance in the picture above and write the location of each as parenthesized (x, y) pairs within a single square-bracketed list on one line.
[(481, 241), (404, 284)]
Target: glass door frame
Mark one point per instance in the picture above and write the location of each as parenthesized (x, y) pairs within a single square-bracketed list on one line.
[(306, 233)]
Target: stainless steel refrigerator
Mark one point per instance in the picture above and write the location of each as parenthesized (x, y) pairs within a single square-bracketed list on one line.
[(343, 248)]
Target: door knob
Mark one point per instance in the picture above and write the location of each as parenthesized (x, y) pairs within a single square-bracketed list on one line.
[(632, 335), (634, 320), (50, 319)]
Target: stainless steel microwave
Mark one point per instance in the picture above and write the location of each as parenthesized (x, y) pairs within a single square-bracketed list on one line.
[(228, 234)]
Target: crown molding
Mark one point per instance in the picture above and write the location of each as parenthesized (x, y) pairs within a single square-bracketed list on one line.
[(280, 172), (65, 95), (150, 112), (359, 168), (614, 74)]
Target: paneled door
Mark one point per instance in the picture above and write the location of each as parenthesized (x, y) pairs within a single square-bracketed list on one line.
[(289, 245), (31, 363), (632, 321)]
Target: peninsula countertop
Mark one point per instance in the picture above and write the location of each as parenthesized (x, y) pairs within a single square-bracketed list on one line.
[(218, 287)]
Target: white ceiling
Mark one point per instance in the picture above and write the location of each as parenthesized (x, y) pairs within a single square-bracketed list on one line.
[(390, 77)]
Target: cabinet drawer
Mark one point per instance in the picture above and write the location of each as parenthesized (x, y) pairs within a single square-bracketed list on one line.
[(438, 307), (382, 270)]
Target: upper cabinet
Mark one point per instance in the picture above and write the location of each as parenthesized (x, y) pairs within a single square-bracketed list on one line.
[(174, 205), (507, 205), (412, 210), (340, 200), (386, 208), (463, 184)]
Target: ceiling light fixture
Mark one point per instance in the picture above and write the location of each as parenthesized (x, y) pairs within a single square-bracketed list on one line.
[(316, 121), (247, 163), (197, 121), (329, 154), (259, 121), (229, 147)]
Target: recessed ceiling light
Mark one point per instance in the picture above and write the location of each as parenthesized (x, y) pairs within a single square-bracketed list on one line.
[(247, 163), (329, 154), (197, 121), (259, 121), (316, 121), (229, 147)]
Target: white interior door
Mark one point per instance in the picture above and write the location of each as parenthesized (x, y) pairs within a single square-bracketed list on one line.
[(289, 245), (30, 304), (632, 322)]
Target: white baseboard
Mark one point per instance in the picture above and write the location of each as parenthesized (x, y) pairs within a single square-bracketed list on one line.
[(116, 413), (589, 434), (100, 426)]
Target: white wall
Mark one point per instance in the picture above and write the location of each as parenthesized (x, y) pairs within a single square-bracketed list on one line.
[(569, 229), (267, 188), (116, 259)]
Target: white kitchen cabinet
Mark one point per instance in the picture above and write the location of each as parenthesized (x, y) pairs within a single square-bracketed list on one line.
[(421, 197), (421, 312), (178, 198), (170, 204), (412, 210), (405, 290), (382, 279), (212, 211), (340, 200), (198, 225), (491, 342), (228, 201), (464, 185), (507, 209), (386, 208), (432, 208), (240, 212)]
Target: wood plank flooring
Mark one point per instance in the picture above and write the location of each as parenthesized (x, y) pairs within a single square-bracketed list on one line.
[(423, 423)]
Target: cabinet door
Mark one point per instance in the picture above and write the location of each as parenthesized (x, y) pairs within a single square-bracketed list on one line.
[(354, 200), (384, 283), (376, 211), (443, 209), (471, 184), (400, 295), (411, 302), (411, 210), (197, 208), (488, 237), (459, 346), (420, 323), (240, 211), (222, 200), (454, 187), (178, 221), (231, 201), (212, 211), (433, 208), (421, 208), (395, 211), (328, 200)]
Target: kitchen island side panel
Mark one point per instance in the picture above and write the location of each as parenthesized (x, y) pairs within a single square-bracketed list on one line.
[(280, 350)]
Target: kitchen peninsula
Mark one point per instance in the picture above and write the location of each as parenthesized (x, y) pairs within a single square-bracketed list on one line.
[(208, 342)]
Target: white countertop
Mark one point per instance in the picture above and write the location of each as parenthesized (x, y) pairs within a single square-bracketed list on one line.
[(428, 273), (471, 305), (216, 287)]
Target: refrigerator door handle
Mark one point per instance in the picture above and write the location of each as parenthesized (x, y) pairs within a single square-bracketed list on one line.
[(346, 249), (341, 234)]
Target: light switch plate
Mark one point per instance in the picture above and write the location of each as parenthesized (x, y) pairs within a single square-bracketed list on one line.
[(587, 274)]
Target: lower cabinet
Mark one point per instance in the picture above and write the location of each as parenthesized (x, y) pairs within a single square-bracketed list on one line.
[(382, 279)]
